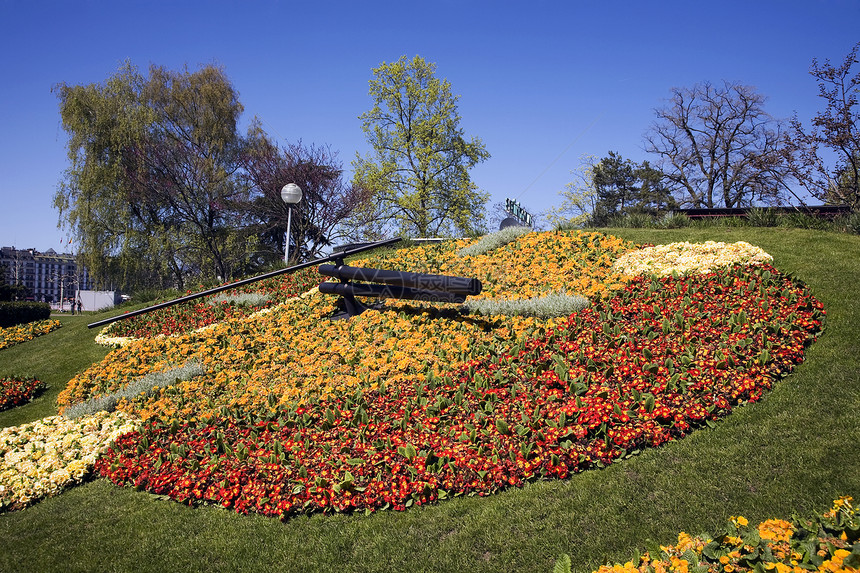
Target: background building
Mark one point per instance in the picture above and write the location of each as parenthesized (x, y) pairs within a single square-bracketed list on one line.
[(48, 276)]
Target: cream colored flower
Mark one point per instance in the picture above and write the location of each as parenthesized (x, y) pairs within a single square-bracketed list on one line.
[(689, 258), (44, 457)]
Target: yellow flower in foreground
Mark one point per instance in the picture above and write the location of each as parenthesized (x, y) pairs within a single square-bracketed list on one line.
[(739, 521), (835, 564), (617, 568), (685, 542)]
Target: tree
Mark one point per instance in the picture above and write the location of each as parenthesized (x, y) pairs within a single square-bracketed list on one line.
[(718, 147), (579, 197), (623, 187), (327, 200), (10, 292), (613, 186), (151, 192), (837, 130), (418, 172)]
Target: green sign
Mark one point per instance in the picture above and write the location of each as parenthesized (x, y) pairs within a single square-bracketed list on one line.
[(515, 210)]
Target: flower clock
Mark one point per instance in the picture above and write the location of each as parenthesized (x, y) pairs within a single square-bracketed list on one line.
[(412, 404)]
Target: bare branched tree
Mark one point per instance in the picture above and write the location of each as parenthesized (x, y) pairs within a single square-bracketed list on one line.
[(718, 147), (836, 130)]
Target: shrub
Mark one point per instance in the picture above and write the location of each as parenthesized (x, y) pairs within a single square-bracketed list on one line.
[(243, 299), (493, 241), (549, 306), (12, 313), (803, 221), (674, 221), (154, 295), (732, 222), (632, 221), (705, 222), (851, 223), (571, 225), (145, 385), (762, 217)]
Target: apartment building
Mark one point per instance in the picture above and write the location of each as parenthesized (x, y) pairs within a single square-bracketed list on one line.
[(48, 276)]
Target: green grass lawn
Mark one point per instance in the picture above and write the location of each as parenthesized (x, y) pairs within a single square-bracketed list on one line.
[(793, 452)]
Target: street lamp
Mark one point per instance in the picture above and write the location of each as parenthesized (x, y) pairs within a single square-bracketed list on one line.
[(291, 194)]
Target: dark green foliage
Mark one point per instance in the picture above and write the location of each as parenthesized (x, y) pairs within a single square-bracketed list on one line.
[(627, 188), (631, 221), (673, 221), (762, 217), (12, 313), (12, 292), (804, 221), (850, 224)]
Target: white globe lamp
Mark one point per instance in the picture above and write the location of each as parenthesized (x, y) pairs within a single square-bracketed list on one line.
[(291, 194)]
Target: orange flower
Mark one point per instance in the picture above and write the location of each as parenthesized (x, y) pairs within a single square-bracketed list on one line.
[(776, 530)]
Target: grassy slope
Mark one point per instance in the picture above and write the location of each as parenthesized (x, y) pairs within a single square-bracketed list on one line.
[(53, 358), (793, 452)]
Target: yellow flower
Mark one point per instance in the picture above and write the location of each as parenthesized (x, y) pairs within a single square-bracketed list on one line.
[(686, 258), (42, 458), (776, 530)]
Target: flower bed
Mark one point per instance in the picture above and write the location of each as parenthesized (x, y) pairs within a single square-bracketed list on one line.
[(685, 258), (417, 402), (203, 312), (829, 543), (644, 367), (44, 457), (534, 265), (24, 332), (261, 356), (16, 391)]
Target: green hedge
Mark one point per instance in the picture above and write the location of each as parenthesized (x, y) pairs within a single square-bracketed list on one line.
[(12, 313)]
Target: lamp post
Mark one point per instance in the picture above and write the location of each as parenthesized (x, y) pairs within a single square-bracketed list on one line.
[(291, 194)]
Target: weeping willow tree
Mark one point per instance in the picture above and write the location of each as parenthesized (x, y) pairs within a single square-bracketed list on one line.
[(150, 194)]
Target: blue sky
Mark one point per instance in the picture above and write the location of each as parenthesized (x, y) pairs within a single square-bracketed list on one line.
[(540, 82)]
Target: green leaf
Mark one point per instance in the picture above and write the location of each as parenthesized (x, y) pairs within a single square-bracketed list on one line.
[(653, 549), (502, 427), (649, 403), (562, 564), (690, 556)]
